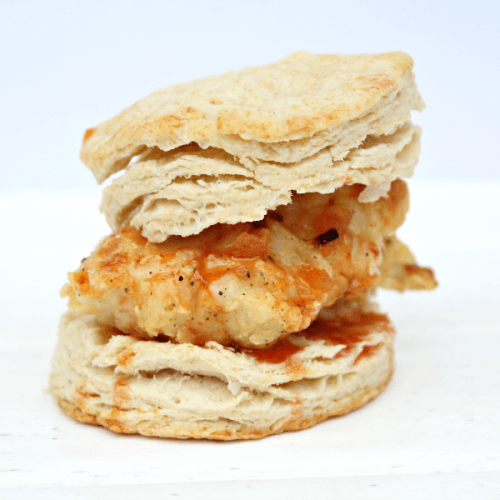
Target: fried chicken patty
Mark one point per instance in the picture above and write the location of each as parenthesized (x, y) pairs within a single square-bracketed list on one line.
[(249, 284)]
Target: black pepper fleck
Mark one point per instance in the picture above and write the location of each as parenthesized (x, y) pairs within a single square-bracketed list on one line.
[(181, 278), (325, 238)]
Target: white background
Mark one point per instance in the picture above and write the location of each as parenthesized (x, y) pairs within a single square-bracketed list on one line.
[(66, 66)]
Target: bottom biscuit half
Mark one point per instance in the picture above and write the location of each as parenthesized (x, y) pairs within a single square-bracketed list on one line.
[(132, 386)]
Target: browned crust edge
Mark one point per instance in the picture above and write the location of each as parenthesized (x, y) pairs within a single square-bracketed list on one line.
[(296, 422)]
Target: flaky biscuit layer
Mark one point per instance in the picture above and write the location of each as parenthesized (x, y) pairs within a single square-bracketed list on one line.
[(186, 391), (190, 189), (284, 111)]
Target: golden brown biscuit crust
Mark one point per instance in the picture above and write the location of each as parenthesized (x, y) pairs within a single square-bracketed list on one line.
[(278, 104)]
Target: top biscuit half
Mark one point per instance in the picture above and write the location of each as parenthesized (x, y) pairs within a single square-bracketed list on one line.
[(226, 149)]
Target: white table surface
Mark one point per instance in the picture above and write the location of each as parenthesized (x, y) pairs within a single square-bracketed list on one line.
[(434, 432)]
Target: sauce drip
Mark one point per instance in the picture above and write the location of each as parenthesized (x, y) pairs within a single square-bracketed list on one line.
[(348, 329), (279, 353)]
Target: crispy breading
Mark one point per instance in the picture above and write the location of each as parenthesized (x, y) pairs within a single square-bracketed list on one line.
[(249, 284), (399, 270)]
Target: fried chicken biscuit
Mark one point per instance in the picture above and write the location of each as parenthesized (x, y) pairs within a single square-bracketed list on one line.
[(254, 219)]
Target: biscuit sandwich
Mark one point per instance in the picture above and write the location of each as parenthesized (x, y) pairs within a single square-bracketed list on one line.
[(253, 219)]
